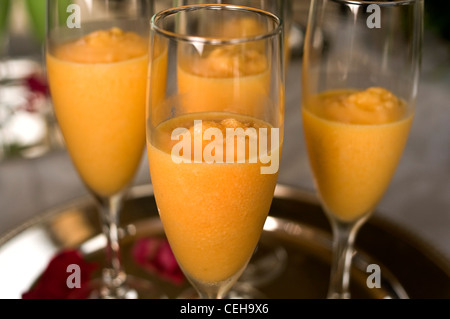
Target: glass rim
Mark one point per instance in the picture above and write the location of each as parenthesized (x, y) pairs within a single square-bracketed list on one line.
[(384, 3), (213, 40)]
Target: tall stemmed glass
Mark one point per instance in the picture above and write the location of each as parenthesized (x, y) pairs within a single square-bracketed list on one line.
[(214, 136), (97, 63), (360, 77), (268, 261)]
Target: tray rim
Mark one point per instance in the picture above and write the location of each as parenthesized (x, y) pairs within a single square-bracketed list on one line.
[(421, 245), (282, 191)]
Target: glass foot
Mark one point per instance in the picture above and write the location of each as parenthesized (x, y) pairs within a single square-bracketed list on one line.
[(267, 263)]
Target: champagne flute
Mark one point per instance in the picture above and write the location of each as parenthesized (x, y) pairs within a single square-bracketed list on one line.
[(97, 64), (268, 261), (358, 100), (214, 134)]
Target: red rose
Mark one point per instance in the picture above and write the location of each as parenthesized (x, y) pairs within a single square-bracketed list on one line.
[(155, 256), (37, 83), (37, 94), (53, 282)]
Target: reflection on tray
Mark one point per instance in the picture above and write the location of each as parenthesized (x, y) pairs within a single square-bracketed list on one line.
[(296, 225)]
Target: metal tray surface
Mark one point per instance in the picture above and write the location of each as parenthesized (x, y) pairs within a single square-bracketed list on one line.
[(292, 260)]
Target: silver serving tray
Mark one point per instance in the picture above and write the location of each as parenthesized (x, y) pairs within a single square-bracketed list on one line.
[(292, 259)]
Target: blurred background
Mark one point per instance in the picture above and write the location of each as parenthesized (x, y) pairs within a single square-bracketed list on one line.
[(36, 173)]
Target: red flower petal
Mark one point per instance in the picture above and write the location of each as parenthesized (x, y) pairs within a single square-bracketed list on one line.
[(156, 256), (53, 282), (37, 83)]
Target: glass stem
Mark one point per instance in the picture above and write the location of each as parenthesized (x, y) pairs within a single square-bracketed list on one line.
[(214, 291), (207, 295), (343, 239), (113, 273), (209, 292)]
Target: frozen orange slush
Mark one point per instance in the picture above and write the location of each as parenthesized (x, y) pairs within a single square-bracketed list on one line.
[(230, 78), (213, 213), (205, 87), (98, 86), (355, 140)]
